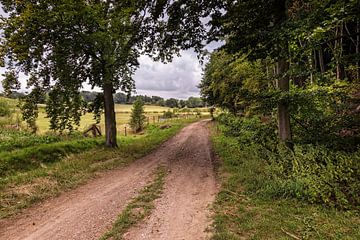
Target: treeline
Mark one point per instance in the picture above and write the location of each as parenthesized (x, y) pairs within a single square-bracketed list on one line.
[(121, 98), (288, 78), (300, 66)]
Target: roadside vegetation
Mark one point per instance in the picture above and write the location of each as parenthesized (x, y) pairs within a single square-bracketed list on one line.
[(35, 168), (287, 78), (140, 207), (262, 198)]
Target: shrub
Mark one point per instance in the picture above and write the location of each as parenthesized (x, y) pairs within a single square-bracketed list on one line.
[(4, 109), (168, 114), (313, 173), (138, 117)]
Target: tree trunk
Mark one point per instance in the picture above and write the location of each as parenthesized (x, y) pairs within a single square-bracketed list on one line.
[(283, 106), (357, 49), (110, 119), (321, 61), (340, 71), (316, 62)]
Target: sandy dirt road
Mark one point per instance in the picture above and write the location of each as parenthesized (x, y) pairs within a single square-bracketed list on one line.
[(89, 211)]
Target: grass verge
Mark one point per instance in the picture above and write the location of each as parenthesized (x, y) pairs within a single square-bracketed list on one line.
[(242, 212), (23, 188), (139, 208), (28, 158)]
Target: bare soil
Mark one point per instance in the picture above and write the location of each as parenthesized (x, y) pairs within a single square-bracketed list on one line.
[(89, 211)]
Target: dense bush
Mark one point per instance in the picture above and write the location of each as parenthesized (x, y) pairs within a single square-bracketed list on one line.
[(314, 173), (4, 109)]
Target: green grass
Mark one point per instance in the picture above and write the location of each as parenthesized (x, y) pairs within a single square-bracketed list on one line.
[(244, 212), (13, 139), (44, 171), (139, 208), (29, 158)]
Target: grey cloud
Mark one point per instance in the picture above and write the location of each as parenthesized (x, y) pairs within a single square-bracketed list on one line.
[(176, 79)]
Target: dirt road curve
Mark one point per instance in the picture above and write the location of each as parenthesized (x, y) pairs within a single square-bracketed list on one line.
[(89, 211)]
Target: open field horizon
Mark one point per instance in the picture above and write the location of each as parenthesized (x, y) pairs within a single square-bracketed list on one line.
[(122, 111)]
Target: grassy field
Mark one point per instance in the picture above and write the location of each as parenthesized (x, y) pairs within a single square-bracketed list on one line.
[(244, 213), (34, 168), (123, 112)]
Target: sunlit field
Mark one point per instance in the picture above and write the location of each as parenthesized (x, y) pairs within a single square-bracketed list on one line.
[(123, 112)]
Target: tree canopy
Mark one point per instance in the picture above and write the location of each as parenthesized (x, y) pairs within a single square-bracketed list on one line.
[(63, 44)]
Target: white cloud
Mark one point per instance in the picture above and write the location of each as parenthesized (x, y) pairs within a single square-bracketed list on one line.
[(178, 79)]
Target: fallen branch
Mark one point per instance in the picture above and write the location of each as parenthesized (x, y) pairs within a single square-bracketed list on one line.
[(290, 234)]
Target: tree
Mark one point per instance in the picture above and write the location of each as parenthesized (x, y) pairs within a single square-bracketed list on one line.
[(138, 117), (194, 102), (171, 103), (259, 27), (63, 44), (231, 81), (182, 103)]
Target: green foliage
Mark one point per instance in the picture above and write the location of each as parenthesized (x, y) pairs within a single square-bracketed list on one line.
[(255, 203), (250, 130), (313, 173), (63, 44), (32, 157), (64, 110), (230, 81), (29, 108), (5, 110), (10, 82), (97, 107), (137, 120), (11, 139), (325, 115), (168, 114), (172, 103)]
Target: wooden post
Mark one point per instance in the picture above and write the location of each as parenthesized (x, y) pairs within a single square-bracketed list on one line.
[(125, 132)]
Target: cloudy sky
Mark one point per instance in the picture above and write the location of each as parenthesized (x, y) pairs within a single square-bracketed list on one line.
[(178, 79)]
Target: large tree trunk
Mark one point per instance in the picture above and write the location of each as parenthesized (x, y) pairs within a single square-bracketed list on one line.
[(110, 119), (283, 107)]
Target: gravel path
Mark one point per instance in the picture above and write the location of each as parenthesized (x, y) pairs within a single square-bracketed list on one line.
[(89, 211)]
